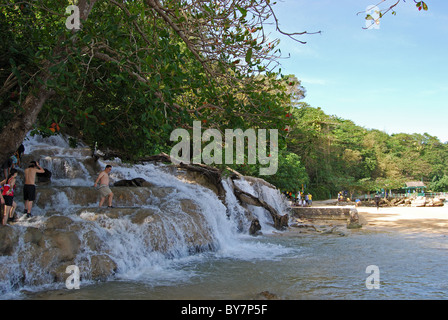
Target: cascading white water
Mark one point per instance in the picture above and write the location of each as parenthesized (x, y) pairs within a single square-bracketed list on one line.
[(135, 251)]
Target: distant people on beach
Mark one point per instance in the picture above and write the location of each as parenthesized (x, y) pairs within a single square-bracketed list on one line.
[(103, 189), (309, 200), (299, 198), (29, 188), (8, 197)]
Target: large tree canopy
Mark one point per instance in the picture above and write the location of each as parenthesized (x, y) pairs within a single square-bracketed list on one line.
[(133, 71), (137, 69)]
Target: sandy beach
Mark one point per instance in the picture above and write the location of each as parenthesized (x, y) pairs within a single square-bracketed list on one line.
[(412, 219)]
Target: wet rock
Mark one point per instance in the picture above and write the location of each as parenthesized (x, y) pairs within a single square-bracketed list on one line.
[(334, 230), (44, 177), (353, 221), (162, 192), (143, 216), (266, 295), (136, 182), (198, 178), (34, 236), (188, 206), (59, 273), (92, 240), (102, 267), (66, 243), (58, 222), (8, 240), (255, 228)]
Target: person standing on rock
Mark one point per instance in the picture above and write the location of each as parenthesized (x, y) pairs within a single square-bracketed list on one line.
[(29, 188), (103, 189), (8, 196)]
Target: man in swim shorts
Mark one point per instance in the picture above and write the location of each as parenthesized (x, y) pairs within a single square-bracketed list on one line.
[(103, 189), (29, 188)]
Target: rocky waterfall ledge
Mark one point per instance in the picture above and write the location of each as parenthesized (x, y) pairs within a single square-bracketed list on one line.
[(171, 212)]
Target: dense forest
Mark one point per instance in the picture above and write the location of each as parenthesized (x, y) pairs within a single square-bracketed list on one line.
[(339, 155), (133, 71)]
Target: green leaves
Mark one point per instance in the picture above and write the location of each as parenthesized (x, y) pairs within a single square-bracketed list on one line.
[(249, 56), (374, 14), (338, 154), (242, 10), (421, 5)]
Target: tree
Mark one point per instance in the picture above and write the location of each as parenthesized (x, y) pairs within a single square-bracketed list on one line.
[(291, 174), (136, 69), (374, 13), (33, 76), (439, 185), (339, 155)]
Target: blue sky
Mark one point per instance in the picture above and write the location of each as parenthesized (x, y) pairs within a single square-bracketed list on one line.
[(393, 78)]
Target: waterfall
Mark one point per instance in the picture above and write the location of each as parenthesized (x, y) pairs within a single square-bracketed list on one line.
[(152, 231)]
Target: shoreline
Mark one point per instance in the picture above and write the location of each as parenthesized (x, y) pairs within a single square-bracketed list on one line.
[(403, 219), (410, 219)]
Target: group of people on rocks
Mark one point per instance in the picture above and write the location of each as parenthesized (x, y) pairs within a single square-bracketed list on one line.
[(8, 186), (299, 198)]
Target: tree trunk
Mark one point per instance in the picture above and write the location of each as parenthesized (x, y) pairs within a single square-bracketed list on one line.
[(280, 222), (13, 134), (16, 130)]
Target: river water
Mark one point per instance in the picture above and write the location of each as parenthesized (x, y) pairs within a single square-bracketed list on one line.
[(298, 266), (290, 265)]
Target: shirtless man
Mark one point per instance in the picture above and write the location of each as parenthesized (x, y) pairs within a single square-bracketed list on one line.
[(103, 189), (29, 188)]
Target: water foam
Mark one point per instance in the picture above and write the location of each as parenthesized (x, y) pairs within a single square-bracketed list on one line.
[(130, 245)]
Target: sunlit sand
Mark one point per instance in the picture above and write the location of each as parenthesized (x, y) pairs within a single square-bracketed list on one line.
[(412, 219)]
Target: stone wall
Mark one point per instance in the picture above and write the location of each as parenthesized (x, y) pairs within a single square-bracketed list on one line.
[(328, 213)]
